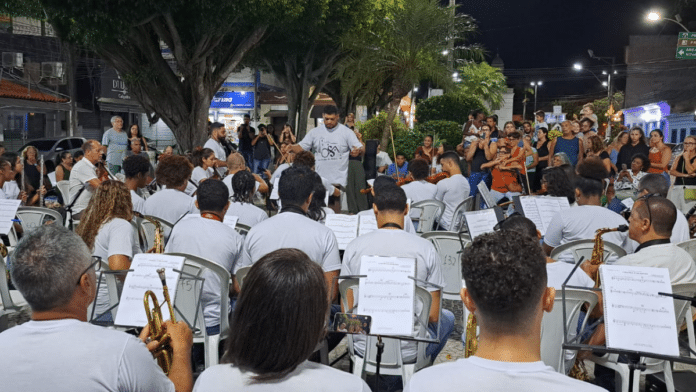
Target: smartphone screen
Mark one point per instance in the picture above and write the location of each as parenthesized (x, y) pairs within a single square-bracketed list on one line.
[(352, 323)]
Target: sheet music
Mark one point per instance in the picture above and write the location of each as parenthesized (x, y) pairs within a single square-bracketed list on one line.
[(345, 228), (635, 316), (274, 193), (480, 222), (387, 294), (144, 277), (541, 209), (486, 194), (8, 211), (628, 202), (368, 224), (229, 220)]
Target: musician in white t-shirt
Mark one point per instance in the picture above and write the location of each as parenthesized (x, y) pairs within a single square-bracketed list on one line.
[(505, 276), (172, 203), (382, 182), (58, 350), (207, 237), (291, 228), (453, 190), (419, 189), (242, 200), (136, 169), (235, 163)]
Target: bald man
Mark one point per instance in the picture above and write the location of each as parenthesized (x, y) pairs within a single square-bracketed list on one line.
[(235, 163)]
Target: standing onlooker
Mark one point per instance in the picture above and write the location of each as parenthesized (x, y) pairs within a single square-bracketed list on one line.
[(684, 169), (540, 117), (542, 147), (595, 147), (588, 112), (114, 144), (246, 133), (531, 160), (568, 144), (427, 151), (476, 154), (134, 133), (660, 154), (636, 145), (217, 136), (619, 141), (262, 151)]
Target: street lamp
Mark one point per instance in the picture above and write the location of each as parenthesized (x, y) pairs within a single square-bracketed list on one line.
[(536, 86), (655, 16)]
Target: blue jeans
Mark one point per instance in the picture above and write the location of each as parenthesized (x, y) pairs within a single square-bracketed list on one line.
[(446, 328), (248, 157), (260, 165)]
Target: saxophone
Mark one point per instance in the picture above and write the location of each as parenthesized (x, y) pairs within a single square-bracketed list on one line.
[(598, 250)]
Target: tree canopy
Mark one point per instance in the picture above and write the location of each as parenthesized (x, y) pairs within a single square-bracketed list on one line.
[(207, 39), (482, 81)]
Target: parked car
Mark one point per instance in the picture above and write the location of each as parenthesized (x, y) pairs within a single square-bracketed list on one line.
[(51, 148)]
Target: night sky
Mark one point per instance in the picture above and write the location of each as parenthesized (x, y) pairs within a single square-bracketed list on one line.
[(541, 39)]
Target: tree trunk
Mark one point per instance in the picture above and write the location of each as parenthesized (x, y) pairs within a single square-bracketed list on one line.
[(391, 115)]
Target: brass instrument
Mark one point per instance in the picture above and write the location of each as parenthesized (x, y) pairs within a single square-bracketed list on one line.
[(163, 352), (471, 344), (158, 246), (598, 250)]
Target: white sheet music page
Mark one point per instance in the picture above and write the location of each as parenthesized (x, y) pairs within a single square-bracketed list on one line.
[(548, 206), (635, 316), (8, 210), (144, 277), (274, 192), (368, 224), (531, 211), (486, 194), (480, 222), (345, 228), (387, 294)]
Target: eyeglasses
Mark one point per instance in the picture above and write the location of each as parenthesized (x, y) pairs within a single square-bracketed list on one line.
[(96, 263), (645, 200), (690, 144)]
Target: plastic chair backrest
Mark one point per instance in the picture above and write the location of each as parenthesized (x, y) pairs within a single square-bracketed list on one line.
[(391, 357), (689, 246), (189, 292), (448, 247), (147, 230), (64, 188), (242, 229), (458, 215), (5, 296), (241, 274), (34, 217), (431, 212), (552, 353), (581, 248)]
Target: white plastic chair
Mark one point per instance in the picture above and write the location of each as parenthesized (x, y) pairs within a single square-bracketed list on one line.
[(552, 352), (458, 216), (430, 213), (392, 361), (34, 217), (12, 300), (112, 285), (449, 248), (147, 231), (689, 246), (584, 248), (188, 295), (241, 274), (64, 188), (682, 311)]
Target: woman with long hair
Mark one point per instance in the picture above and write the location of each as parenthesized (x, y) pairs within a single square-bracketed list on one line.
[(279, 318), (242, 200), (660, 154), (427, 151), (11, 188), (134, 133), (635, 145), (203, 160), (542, 147), (684, 169), (619, 141), (105, 227), (595, 147)]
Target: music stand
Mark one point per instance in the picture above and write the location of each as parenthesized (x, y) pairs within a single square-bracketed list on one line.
[(380, 344), (632, 356)]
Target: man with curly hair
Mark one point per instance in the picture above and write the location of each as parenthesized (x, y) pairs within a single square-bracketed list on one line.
[(171, 203), (505, 275)]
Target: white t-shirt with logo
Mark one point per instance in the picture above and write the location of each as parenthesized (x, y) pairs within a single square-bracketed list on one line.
[(331, 150)]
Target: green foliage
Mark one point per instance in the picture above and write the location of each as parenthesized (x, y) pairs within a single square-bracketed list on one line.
[(449, 107), (482, 81), (407, 142), (373, 128), (448, 132)]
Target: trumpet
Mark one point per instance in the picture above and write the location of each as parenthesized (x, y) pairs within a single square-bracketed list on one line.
[(163, 352), (598, 250)]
